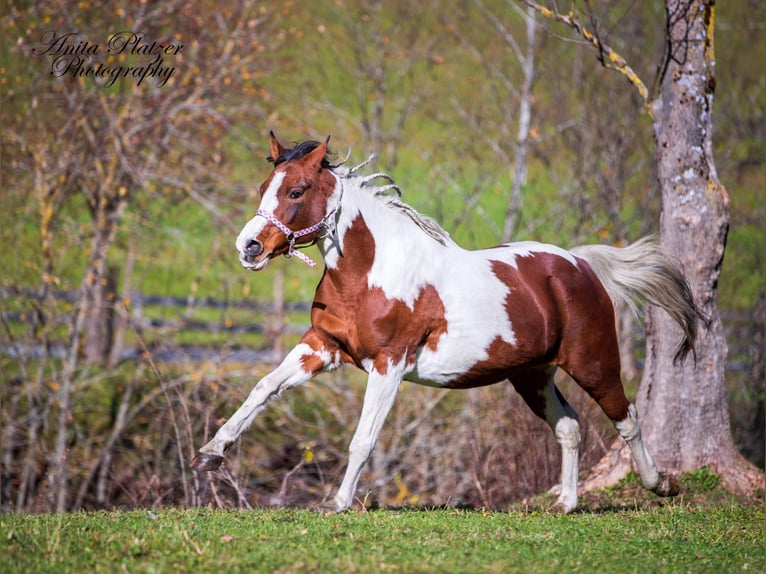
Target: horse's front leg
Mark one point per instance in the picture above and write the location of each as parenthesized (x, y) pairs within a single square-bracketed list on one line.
[(307, 359), (378, 400)]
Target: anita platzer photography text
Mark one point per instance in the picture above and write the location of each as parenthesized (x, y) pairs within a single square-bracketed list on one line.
[(72, 54)]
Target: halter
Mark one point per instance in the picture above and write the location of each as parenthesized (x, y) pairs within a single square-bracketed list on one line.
[(293, 236)]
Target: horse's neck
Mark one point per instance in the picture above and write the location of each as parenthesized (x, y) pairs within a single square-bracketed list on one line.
[(380, 244), (357, 215)]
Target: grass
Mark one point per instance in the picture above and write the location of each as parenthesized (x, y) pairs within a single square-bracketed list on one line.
[(671, 538), (620, 529)]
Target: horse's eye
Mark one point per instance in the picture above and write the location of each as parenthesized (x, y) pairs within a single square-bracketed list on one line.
[(295, 193)]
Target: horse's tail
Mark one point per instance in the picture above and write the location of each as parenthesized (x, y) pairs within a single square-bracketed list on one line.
[(642, 271)]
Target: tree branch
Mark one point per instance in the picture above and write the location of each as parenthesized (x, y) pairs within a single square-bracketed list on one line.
[(608, 57)]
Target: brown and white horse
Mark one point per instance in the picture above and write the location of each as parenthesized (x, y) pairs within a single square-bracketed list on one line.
[(402, 301)]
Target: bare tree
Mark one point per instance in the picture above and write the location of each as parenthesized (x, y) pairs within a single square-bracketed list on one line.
[(683, 406), (527, 60), (116, 116)]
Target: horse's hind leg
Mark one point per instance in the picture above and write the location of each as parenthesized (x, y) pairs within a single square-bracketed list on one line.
[(658, 482), (590, 353), (599, 375), (538, 390)]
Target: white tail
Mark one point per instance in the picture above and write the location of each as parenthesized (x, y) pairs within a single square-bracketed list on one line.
[(641, 271)]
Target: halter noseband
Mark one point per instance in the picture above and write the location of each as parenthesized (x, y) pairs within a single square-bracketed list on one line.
[(293, 236)]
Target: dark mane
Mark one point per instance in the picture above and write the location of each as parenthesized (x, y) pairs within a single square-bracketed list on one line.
[(300, 150)]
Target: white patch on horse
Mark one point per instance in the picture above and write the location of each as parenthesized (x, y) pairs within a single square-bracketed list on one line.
[(510, 251), (368, 365), (402, 254), (474, 318), (269, 203), (331, 360), (379, 397), (332, 254)]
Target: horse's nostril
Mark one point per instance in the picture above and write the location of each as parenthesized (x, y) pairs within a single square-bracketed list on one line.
[(253, 249)]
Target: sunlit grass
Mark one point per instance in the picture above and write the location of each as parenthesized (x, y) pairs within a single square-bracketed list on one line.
[(674, 538)]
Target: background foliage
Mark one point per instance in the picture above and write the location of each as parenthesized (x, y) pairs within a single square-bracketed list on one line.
[(128, 329)]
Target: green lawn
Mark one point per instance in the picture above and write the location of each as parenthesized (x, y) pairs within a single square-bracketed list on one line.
[(672, 538)]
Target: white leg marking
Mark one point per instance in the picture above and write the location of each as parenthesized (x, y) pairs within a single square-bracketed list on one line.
[(562, 418), (288, 374), (630, 430), (567, 432), (378, 400)]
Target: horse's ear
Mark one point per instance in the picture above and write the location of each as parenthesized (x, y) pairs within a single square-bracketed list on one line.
[(317, 155), (275, 148)]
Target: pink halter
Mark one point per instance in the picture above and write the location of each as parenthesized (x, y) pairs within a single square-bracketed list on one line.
[(293, 236)]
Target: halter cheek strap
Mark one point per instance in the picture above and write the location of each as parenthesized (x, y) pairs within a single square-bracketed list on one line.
[(292, 236)]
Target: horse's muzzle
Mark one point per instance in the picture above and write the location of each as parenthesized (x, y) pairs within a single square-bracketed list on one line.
[(252, 250)]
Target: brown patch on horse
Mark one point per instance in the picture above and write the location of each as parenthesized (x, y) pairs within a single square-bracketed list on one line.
[(567, 319), (363, 322), (589, 349), (313, 363), (532, 312)]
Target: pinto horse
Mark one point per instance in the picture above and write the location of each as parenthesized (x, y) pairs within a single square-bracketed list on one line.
[(402, 301)]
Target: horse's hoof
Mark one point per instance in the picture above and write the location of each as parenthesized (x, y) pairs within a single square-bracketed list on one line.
[(561, 508), (206, 462), (668, 485), (328, 508)]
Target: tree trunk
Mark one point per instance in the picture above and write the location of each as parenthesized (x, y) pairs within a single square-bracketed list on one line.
[(106, 223), (758, 376), (626, 323), (121, 309), (99, 328), (522, 136), (683, 407)]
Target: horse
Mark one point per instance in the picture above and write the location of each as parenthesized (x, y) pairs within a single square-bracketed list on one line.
[(399, 299)]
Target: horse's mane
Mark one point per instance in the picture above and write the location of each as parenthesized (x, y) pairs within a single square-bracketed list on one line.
[(369, 183), (300, 150)]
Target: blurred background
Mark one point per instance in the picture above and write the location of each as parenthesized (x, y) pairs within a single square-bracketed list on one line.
[(129, 331)]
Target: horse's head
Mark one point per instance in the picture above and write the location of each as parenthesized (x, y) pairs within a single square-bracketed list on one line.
[(295, 204)]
